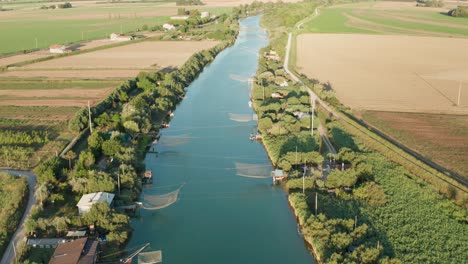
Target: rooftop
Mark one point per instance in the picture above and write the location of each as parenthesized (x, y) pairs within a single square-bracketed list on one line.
[(92, 198)]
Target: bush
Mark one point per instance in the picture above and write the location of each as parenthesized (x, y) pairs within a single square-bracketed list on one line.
[(461, 11)]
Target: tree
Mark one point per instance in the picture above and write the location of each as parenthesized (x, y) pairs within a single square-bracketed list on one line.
[(111, 147), (131, 126), (69, 156)]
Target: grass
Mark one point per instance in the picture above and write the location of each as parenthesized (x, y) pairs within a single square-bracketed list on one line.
[(22, 34), (36, 112), (333, 20), (441, 138), (26, 84)]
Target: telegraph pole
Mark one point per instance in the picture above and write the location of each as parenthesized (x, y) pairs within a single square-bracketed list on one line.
[(313, 112), (316, 203), (459, 93), (303, 179), (89, 117)]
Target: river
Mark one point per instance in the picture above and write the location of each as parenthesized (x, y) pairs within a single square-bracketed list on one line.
[(219, 217)]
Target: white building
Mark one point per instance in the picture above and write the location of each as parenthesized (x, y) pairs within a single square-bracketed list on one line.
[(87, 200), (168, 27), (57, 49), (179, 17), (119, 37), (205, 14)]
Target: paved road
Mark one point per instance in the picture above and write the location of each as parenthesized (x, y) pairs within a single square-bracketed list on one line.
[(313, 97), (20, 234)]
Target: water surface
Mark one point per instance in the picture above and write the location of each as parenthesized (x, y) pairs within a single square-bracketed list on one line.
[(220, 217)]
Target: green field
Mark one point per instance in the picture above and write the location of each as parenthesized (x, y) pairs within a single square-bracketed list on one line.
[(21, 35), (361, 18)]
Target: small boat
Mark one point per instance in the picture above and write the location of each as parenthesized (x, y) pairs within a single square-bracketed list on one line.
[(250, 104)]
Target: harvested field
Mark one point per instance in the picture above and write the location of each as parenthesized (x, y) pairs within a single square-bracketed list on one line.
[(142, 55), (441, 138), (391, 73), (5, 61), (72, 74), (53, 93)]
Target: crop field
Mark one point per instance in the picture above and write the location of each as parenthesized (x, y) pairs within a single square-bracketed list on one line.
[(52, 94), (441, 138), (118, 62), (387, 18), (28, 27), (391, 73)]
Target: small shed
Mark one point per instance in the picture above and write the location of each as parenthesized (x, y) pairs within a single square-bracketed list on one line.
[(168, 26), (205, 14), (179, 17), (277, 95), (120, 37), (57, 48), (88, 200)]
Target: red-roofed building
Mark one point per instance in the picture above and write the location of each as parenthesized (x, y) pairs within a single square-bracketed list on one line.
[(79, 251)]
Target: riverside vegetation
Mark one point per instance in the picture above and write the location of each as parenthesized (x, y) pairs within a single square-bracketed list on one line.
[(13, 199), (124, 124), (371, 210)]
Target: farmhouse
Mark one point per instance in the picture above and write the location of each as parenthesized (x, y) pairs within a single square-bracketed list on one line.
[(277, 95), (179, 17), (87, 200), (82, 251), (119, 37), (168, 27), (57, 48), (272, 55)]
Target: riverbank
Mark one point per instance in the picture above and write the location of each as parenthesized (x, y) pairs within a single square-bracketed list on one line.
[(227, 193), (110, 158)]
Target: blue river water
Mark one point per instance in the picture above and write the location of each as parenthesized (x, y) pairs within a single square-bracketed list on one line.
[(219, 217)]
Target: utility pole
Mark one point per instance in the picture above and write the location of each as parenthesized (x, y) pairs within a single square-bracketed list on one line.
[(459, 93), (303, 179), (296, 156), (118, 182), (316, 203), (263, 91), (313, 112), (89, 117)]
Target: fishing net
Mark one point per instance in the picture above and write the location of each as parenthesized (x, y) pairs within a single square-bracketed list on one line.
[(156, 202), (253, 170), (150, 257), (241, 117), (170, 141), (239, 78)]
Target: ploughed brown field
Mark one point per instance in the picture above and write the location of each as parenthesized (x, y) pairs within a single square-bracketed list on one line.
[(441, 138), (118, 62), (389, 72)]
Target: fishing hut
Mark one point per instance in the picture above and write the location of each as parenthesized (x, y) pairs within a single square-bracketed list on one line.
[(148, 177), (278, 176)]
